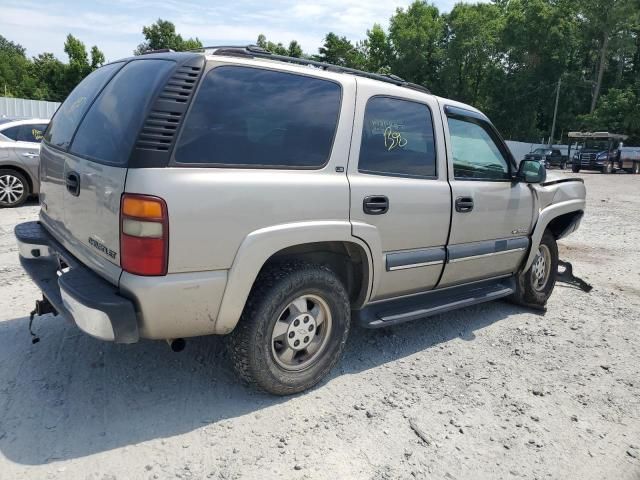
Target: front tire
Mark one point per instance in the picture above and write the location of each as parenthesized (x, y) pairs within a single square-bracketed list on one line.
[(534, 287), (14, 189), (608, 168), (293, 329), (575, 168)]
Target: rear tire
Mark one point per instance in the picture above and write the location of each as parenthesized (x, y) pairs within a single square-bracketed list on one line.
[(575, 168), (636, 168), (563, 165), (270, 347), (534, 287), (14, 188)]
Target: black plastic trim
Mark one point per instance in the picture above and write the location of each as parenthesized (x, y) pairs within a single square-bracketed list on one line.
[(486, 247), (80, 282), (416, 307), (394, 260)]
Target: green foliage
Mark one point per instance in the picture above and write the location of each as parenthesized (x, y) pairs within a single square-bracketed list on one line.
[(340, 51), (162, 34), (504, 57)]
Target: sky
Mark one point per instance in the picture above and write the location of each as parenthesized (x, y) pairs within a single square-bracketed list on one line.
[(115, 26)]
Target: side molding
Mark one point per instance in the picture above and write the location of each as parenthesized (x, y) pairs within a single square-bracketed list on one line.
[(260, 245), (545, 217)]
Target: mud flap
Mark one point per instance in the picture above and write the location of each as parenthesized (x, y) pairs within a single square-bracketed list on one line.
[(565, 275)]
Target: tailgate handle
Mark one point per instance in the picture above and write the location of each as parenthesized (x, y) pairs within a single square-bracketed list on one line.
[(73, 183)]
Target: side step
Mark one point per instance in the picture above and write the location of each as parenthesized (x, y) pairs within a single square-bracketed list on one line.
[(401, 310)]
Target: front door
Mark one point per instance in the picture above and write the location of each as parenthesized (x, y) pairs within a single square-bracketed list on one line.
[(399, 191), (493, 214)]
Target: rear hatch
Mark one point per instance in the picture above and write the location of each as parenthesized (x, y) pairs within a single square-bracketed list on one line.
[(97, 134)]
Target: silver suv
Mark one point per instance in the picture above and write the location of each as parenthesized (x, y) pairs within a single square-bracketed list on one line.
[(19, 159), (278, 201)]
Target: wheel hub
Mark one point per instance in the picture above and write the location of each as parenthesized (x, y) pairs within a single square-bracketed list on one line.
[(541, 268), (301, 332), (11, 189)]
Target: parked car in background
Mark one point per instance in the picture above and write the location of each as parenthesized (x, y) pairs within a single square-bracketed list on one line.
[(550, 157), (604, 152), (19, 159)]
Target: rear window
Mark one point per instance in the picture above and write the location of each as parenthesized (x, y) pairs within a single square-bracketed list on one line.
[(70, 113), (253, 117), (110, 128)]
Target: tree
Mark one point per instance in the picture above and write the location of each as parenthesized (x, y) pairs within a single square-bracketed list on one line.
[(377, 50), (162, 35), (618, 111), (417, 36), (340, 51), (294, 49)]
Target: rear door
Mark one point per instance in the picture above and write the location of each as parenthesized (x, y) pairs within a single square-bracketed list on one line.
[(27, 147), (493, 215), (91, 173), (397, 174)]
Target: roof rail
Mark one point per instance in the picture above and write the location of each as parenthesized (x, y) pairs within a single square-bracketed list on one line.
[(160, 50), (254, 51)]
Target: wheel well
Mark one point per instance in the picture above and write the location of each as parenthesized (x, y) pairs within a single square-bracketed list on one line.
[(563, 225), (347, 260), (21, 171)]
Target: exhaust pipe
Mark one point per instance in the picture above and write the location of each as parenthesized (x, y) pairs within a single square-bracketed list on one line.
[(177, 344)]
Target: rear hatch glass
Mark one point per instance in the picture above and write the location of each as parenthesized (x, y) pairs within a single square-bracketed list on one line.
[(88, 144)]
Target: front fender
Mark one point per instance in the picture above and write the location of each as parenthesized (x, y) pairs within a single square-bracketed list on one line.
[(546, 216), (262, 244)]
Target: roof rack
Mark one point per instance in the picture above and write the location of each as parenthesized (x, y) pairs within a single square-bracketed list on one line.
[(253, 51), (160, 50)]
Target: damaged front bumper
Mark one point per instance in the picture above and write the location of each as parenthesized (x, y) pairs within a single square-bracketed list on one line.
[(75, 291)]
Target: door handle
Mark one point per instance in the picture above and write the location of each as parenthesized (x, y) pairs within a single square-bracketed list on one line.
[(30, 155), (464, 204), (73, 183), (375, 205)]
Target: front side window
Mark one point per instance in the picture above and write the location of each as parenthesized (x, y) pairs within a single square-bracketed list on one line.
[(397, 139), (476, 155), (253, 117)]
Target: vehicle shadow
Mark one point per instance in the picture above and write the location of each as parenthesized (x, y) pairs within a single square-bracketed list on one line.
[(70, 395)]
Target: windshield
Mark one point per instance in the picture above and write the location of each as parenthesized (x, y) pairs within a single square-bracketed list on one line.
[(542, 151), (595, 144)]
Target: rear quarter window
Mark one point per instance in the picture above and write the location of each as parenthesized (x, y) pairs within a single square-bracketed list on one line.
[(111, 126), (70, 113), (243, 116)]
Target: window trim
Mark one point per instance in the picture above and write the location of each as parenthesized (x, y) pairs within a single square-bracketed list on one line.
[(484, 123), (400, 175), (247, 166)]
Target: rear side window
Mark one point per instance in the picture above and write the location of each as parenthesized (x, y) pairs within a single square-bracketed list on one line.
[(252, 117), (111, 126), (397, 139), (66, 119), (31, 132)]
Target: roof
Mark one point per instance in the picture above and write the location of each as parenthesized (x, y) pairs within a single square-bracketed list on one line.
[(615, 136), (255, 52)]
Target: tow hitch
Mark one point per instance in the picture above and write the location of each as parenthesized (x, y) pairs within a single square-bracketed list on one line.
[(566, 276), (42, 308)]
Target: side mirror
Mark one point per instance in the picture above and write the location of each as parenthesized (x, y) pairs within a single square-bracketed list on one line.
[(532, 171)]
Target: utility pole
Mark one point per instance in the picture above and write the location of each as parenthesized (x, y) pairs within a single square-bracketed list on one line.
[(555, 111)]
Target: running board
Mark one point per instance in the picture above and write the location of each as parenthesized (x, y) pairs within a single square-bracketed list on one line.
[(424, 305)]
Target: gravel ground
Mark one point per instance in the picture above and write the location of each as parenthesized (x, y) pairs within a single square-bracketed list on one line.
[(492, 391)]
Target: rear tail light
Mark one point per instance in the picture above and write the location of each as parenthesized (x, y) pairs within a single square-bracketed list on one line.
[(144, 235)]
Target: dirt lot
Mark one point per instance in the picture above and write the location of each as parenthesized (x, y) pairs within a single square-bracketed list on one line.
[(498, 391)]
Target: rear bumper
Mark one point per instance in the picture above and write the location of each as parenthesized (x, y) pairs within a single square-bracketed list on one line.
[(76, 292)]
